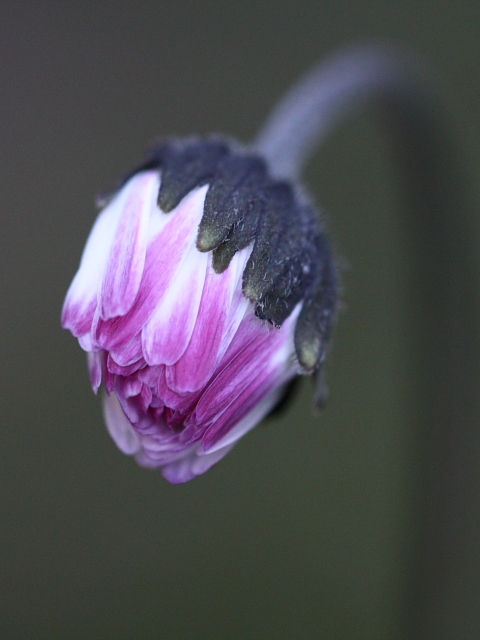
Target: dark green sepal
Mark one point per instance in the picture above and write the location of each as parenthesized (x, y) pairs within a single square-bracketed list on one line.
[(185, 167), (277, 221), (287, 291), (230, 196), (240, 236), (317, 317)]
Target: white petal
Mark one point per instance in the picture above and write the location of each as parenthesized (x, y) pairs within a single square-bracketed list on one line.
[(127, 255), (220, 313), (118, 425), (167, 334), (81, 297), (165, 255), (193, 465), (95, 362), (240, 305), (248, 422)]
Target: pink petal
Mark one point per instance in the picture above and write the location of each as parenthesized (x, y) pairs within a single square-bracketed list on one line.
[(163, 447), (215, 326), (167, 334), (124, 370), (140, 421), (81, 300), (163, 260), (193, 465), (234, 376), (127, 255), (95, 364), (150, 458), (254, 356), (119, 426), (240, 306), (176, 401), (151, 375), (275, 366), (244, 425), (77, 314), (86, 343), (128, 387), (129, 352), (247, 409)]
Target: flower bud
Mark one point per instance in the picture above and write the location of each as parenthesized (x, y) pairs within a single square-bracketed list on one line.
[(204, 288)]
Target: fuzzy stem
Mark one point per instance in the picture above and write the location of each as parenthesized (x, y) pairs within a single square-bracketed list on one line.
[(444, 587)]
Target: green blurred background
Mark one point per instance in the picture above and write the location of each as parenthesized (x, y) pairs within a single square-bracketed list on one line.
[(302, 531)]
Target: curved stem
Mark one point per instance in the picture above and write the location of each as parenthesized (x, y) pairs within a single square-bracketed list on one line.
[(332, 89), (444, 595)]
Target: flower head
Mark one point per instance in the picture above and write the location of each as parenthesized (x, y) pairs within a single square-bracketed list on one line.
[(204, 288)]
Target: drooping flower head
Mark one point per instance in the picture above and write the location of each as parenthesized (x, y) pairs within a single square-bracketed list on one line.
[(204, 288)]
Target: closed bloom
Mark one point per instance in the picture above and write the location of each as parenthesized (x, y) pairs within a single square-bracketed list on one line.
[(204, 288)]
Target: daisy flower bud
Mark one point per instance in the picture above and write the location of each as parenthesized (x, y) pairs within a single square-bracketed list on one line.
[(204, 288)]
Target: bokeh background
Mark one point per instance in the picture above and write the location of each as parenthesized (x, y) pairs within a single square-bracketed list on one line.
[(303, 531)]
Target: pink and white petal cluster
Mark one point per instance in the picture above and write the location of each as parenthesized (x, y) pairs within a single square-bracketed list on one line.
[(187, 367)]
